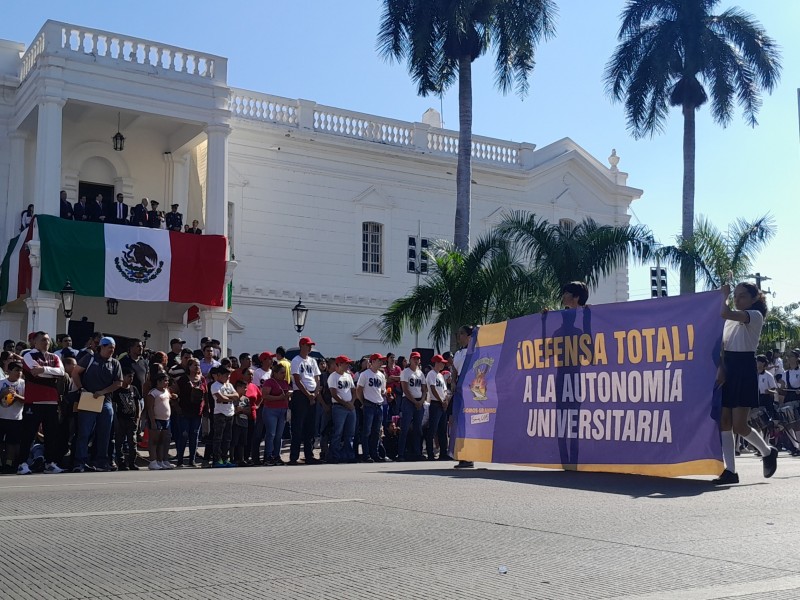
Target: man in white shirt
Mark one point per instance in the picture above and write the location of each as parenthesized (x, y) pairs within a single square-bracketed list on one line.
[(412, 409), (343, 412), (305, 383), (439, 398), (371, 390)]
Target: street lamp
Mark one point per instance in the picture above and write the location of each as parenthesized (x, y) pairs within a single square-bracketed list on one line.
[(299, 314), (67, 300), (119, 139), (112, 304)]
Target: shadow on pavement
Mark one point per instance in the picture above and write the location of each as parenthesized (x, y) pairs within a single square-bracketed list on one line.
[(635, 486)]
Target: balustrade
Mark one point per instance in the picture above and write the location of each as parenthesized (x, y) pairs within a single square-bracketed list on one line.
[(62, 38)]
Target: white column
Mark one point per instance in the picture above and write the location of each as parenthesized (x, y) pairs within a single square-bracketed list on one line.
[(16, 185), (215, 326), (217, 181), (180, 186), (11, 325), (47, 180), (43, 313)]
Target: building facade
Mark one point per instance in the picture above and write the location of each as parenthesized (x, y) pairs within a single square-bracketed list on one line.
[(318, 203)]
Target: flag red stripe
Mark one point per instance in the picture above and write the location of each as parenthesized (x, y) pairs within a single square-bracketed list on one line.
[(197, 274), (25, 274)]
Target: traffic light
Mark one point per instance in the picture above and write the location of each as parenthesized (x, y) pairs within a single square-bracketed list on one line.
[(658, 282), (423, 255), (412, 254)]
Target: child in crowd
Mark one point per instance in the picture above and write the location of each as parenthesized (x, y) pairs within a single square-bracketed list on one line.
[(225, 399), (126, 418), (12, 400), (157, 408), (241, 421)]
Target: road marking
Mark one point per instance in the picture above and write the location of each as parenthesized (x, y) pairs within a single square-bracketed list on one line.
[(175, 509), (725, 591)]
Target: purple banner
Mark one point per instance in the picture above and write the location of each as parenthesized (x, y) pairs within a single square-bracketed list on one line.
[(626, 387)]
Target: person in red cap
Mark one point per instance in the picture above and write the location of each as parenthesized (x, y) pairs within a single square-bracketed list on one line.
[(412, 409), (371, 391), (305, 377), (439, 399), (343, 412)]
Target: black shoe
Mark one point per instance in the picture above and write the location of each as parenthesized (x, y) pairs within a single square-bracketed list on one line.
[(293, 463), (727, 478), (279, 461), (369, 459), (122, 467), (770, 463), (8, 470), (133, 467), (379, 459), (446, 457), (312, 461), (464, 464)]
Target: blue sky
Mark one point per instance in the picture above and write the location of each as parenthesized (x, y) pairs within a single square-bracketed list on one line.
[(324, 50)]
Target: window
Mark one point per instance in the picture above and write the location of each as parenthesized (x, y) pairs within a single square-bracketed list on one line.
[(566, 223), (371, 247)]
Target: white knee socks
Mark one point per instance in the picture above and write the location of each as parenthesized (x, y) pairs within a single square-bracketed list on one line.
[(728, 452), (755, 440)]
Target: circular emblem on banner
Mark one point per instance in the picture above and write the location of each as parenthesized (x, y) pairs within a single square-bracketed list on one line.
[(478, 384), (139, 263)]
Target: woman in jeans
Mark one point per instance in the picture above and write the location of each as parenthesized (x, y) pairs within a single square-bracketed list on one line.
[(275, 393), (191, 399)]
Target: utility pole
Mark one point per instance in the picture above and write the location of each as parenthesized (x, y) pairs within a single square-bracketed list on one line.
[(759, 279)]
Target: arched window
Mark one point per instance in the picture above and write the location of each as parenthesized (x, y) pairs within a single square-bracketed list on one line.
[(371, 247)]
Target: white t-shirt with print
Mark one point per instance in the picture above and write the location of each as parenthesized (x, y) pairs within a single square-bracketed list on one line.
[(436, 380), (743, 337), (343, 384), (223, 408), (765, 382), (415, 381), (307, 369), (13, 412), (374, 385)]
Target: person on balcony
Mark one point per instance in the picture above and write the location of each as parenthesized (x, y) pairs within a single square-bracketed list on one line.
[(195, 228), (95, 212), (139, 214), (26, 217), (174, 219), (118, 212), (81, 212), (155, 217), (66, 207)]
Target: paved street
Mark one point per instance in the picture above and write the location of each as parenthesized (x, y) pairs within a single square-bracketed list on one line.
[(410, 530)]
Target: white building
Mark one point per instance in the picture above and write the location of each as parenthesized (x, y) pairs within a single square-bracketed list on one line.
[(295, 185)]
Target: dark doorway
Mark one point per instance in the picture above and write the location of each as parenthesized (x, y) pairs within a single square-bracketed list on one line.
[(90, 190)]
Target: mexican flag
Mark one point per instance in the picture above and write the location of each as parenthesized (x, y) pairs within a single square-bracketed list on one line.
[(130, 263), (15, 273)]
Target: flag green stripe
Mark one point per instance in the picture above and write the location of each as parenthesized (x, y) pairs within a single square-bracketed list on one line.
[(72, 250), (4, 271)]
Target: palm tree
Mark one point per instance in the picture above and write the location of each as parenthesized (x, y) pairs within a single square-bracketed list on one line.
[(676, 53), (716, 256), (487, 284), (440, 39), (584, 251), (782, 325)]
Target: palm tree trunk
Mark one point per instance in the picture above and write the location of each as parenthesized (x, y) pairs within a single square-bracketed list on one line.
[(464, 170), (687, 229)]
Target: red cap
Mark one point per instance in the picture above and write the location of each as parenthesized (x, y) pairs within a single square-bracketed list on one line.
[(438, 358), (306, 341), (415, 355), (376, 356), (31, 335), (265, 356), (342, 359)]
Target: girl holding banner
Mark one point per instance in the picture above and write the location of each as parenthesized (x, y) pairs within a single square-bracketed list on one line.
[(739, 377)]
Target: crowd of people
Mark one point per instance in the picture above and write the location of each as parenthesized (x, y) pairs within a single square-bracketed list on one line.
[(117, 212), (97, 408)]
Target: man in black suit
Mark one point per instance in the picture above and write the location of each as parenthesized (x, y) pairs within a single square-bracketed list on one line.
[(118, 212), (95, 212), (66, 207), (79, 213), (139, 214)]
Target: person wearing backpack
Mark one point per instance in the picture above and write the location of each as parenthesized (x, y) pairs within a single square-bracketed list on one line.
[(126, 401)]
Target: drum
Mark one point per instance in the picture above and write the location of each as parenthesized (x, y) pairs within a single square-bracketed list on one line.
[(759, 419), (789, 414)]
